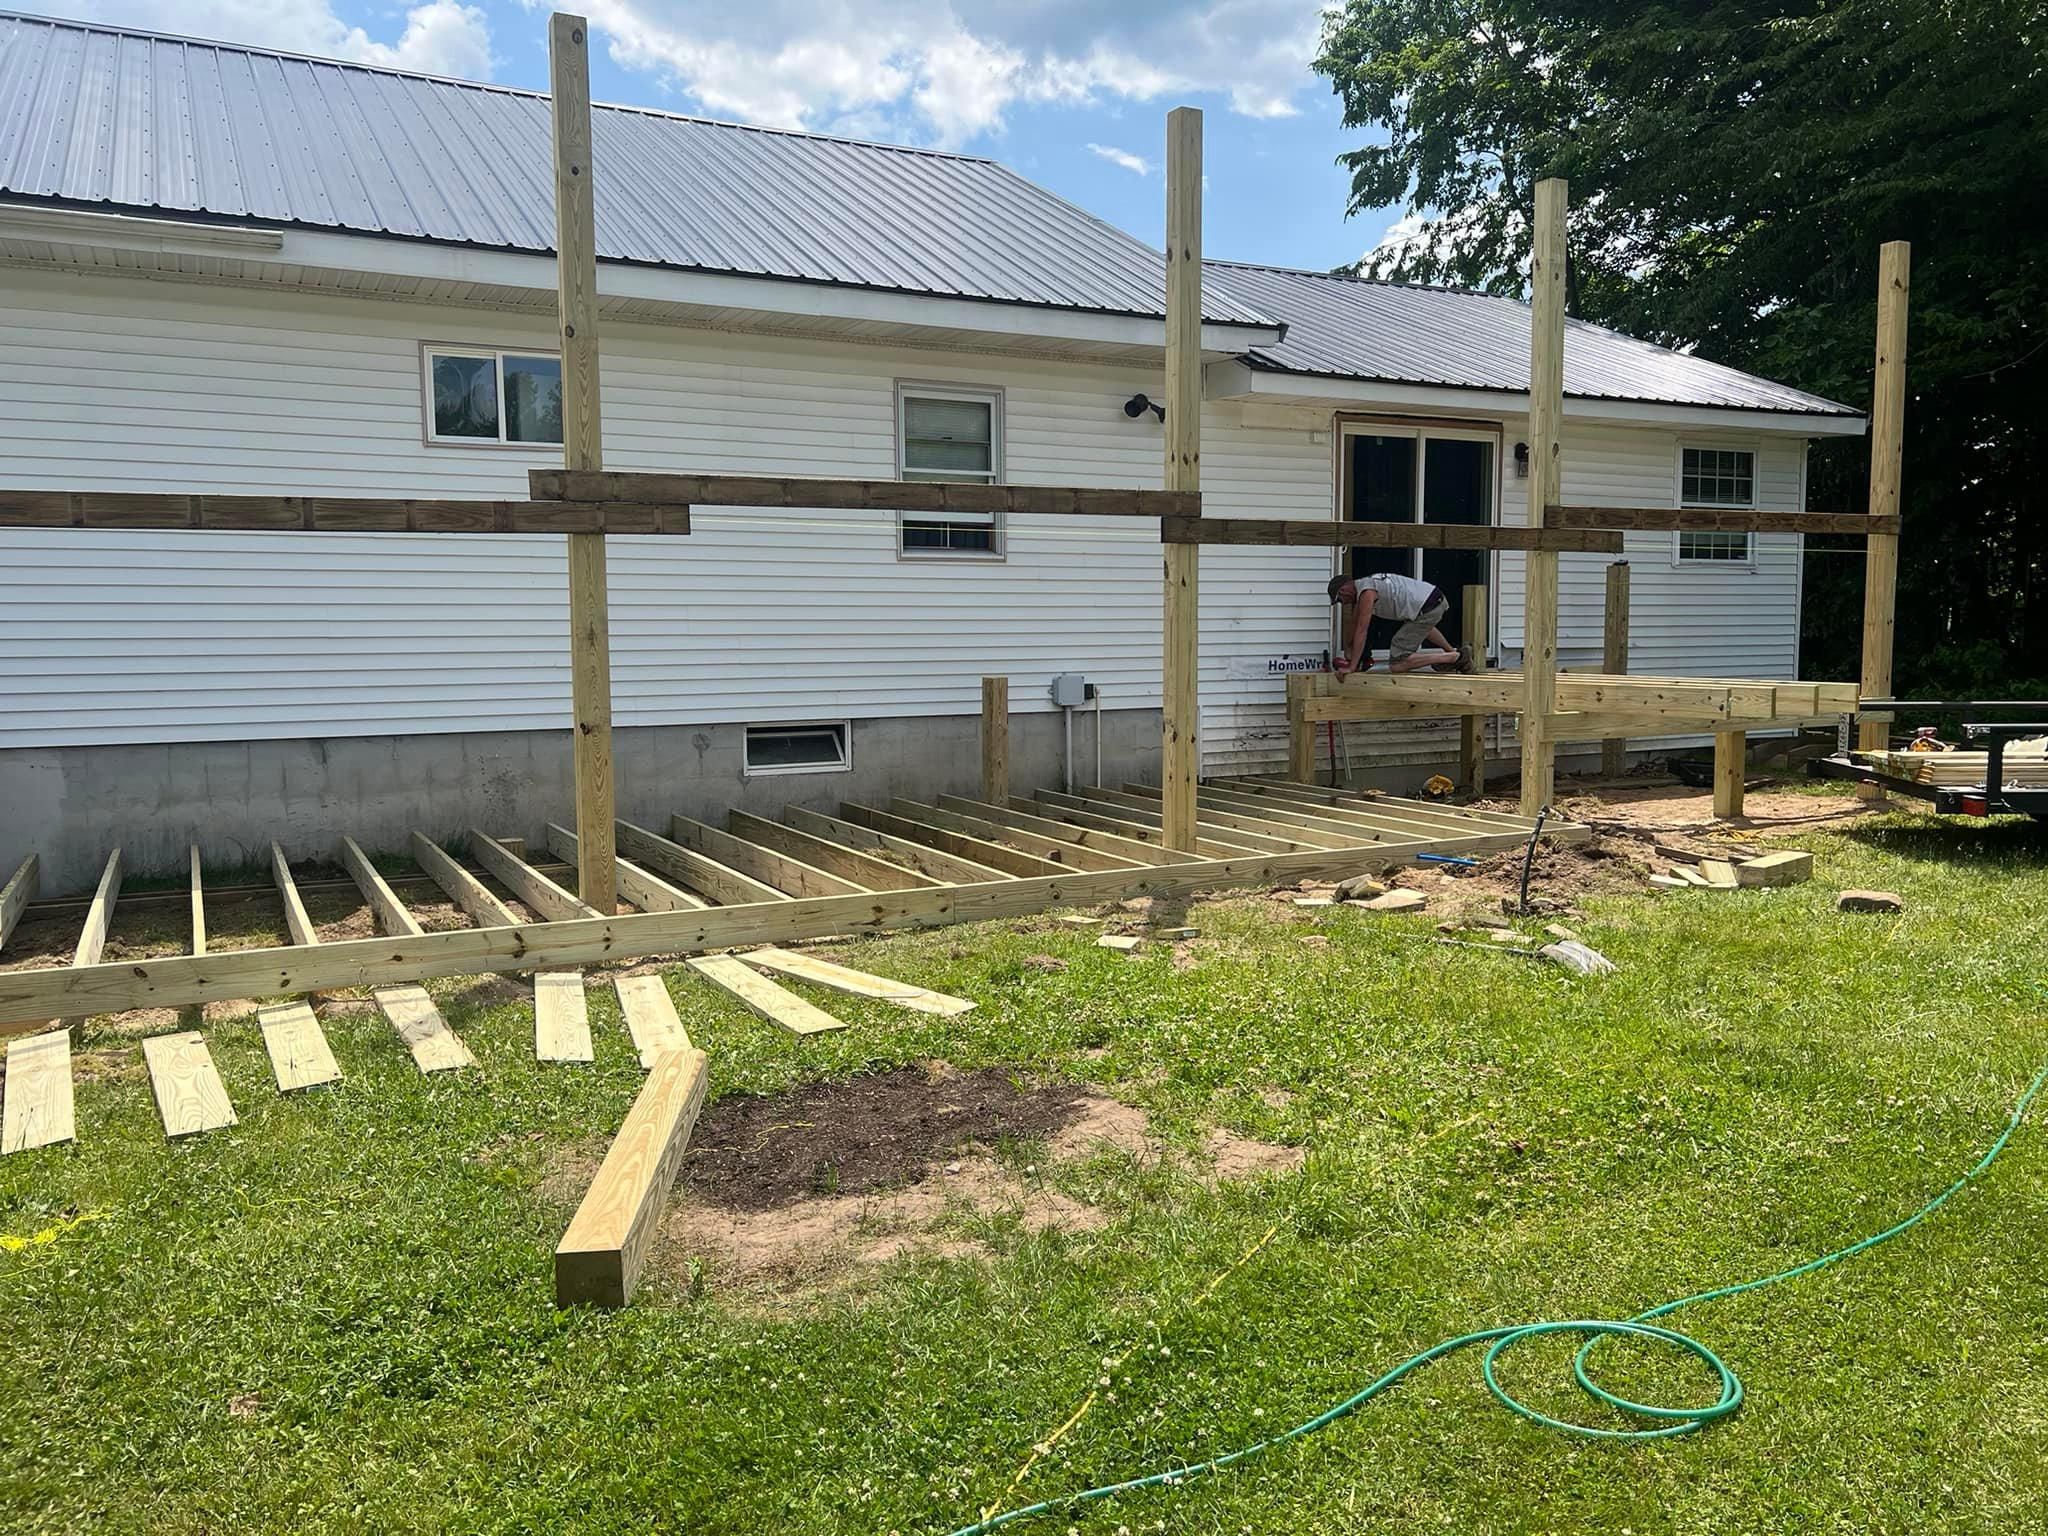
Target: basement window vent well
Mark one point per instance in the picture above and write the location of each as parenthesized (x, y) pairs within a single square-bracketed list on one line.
[(817, 747)]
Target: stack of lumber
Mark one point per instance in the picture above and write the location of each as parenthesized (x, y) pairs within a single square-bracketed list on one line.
[(1789, 867), (2026, 763)]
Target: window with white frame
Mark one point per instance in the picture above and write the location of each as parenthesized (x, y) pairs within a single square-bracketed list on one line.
[(482, 395), (950, 434), (1715, 477), (813, 747)]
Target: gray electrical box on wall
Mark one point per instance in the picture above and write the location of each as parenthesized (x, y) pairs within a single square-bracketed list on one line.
[(1070, 690)]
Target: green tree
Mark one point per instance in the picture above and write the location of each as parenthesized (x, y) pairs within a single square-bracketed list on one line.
[(1734, 168)]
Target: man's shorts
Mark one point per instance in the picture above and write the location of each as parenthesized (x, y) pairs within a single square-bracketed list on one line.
[(1409, 637)]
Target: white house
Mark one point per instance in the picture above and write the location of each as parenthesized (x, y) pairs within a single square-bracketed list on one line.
[(227, 270)]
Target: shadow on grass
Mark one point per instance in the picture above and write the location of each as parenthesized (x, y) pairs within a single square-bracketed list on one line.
[(2016, 841)]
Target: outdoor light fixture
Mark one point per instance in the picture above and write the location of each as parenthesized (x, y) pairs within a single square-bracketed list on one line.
[(1138, 405), (1521, 461)]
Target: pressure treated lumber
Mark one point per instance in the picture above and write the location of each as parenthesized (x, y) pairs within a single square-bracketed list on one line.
[(777, 869), (1546, 419), (299, 1053), (1788, 867), (561, 1017), (843, 978), (1887, 450), (197, 897), (778, 1005), (1614, 658), (1327, 533), (1413, 818), (190, 1097), (663, 489), (643, 888), (29, 997), (99, 917), (119, 510), (598, 1260), (296, 922), (1222, 808), (721, 882), (526, 882), (944, 868), (1717, 520), (1755, 702), (1323, 827), (995, 738), (38, 1110), (392, 914), (1212, 841), (1180, 730), (651, 1019), (1055, 849), (867, 870), (1731, 763), (459, 885), (1232, 831), (1128, 850), (1012, 861), (17, 893), (1471, 728), (590, 646), (434, 1046)]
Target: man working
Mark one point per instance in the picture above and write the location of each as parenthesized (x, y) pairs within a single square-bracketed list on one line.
[(1415, 606)]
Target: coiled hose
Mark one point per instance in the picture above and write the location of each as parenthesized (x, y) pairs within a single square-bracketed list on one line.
[(1665, 1421)]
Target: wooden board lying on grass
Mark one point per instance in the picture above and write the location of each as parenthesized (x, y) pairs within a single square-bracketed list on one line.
[(299, 1054), (651, 1017), (561, 1017), (778, 1005), (843, 978), (434, 1046), (598, 1261), (189, 1093), (38, 1109)]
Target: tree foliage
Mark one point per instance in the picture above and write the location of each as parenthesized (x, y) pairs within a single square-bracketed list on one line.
[(1734, 168)]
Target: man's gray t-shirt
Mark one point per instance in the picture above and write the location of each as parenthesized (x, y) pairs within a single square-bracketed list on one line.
[(1401, 598)]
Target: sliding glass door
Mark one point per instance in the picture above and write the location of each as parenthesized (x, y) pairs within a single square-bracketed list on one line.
[(1422, 473)]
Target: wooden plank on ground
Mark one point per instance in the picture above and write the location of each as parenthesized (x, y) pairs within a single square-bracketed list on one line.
[(721, 882), (524, 881), (198, 900), (561, 1017), (944, 868), (16, 894), (190, 1097), (434, 1046), (299, 1054), (778, 1005), (865, 869), (459, 885), (651, 1017), (598, 1260), (37, 1111), (777, 869), (1012, 861), (844, 978), (642, 887), (392, 915), (296, 922)]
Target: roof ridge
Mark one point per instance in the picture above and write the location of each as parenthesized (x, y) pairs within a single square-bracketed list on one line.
[(115, 29)]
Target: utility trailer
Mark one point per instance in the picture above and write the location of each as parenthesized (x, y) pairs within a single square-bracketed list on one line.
[(1993, 797)]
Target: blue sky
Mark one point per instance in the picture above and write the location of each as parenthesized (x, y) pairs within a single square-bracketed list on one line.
[(1072, 93)]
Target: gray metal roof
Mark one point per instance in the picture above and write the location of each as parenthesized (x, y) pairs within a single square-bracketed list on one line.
[(132, 121), (1351, 328)]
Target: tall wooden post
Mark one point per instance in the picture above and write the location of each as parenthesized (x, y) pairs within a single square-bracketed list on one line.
[(1180, 746), (1472, 728), (1546, 479), (590, 647), (1887, 452), (1614, 660), (995, 740)]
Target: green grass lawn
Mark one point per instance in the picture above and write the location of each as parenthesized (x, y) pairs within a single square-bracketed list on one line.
[(337, 1315)]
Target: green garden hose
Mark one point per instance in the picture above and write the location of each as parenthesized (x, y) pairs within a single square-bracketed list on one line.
[(1666, 1421)]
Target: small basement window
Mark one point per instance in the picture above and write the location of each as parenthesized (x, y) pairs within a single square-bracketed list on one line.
[(950, 434), (479, 395), (1715, 477), (811, 748)]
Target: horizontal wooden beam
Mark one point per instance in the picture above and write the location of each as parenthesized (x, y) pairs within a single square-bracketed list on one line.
[(936, 496), (174, 981), (1718, 520), (334, 514), (1330, 533)]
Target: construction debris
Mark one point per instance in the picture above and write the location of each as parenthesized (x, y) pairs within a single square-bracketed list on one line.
[(1393, 901), (1118, 941), (1079, 919), (1176, 935), (1869, 901), (1719, 873), (1788, 868), (1581, 958), (1562, 934), (1360, 888), (1315, 901)]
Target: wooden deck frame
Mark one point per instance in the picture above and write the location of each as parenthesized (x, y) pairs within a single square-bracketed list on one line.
[(642, 887), (18, 892), (698, 872)]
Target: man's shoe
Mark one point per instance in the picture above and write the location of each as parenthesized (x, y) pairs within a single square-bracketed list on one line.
[(1467, 660)]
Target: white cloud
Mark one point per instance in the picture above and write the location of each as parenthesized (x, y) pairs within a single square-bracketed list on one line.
[(1135, 164), (946, 72), (442, 37)]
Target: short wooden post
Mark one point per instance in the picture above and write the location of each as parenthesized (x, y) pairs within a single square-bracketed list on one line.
[(1180, 745), (1731, 764), (1887, 452), (590, 647), (1301, 738), (1472, 728), (995, 740), (1614, 660), (1546, 479)]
